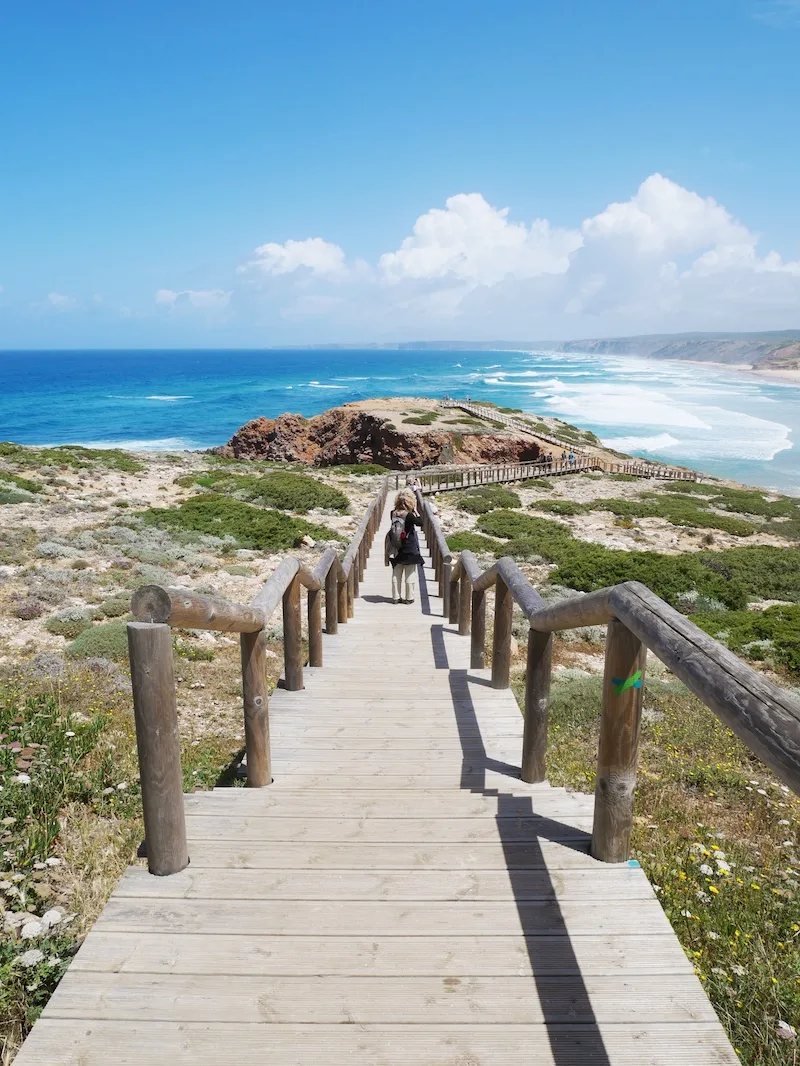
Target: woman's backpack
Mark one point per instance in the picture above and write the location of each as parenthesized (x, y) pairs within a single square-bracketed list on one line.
[(396, 537)]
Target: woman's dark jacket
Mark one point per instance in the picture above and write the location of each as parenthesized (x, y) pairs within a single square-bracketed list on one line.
[(409, 553)]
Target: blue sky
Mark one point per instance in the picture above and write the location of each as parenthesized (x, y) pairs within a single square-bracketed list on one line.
[(155, 159)]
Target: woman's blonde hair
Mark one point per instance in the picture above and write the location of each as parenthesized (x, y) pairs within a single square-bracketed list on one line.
[(405, 500)]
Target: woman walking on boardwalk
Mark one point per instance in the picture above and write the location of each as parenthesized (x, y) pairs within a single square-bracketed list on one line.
[(402, 547)]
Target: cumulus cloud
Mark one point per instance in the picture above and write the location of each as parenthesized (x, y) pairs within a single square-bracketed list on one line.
[(61, 302), (473, 241), (667, 258), (198, 299), (313, 255)]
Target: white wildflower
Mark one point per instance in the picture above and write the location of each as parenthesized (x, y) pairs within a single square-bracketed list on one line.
[(69, 733), (783, 788), (107, 791), (706, 869), (719, 970), (53, 861), (739, 970), (22, 779), (51, 918), (656, 888), (747, 788), (54, 960), (38, 866), (786, 1031), (754, 782), (4, 885), (787, 844), (698, 847), (122, 786), (686, 914), (784, 821), (712, 935), (31, 930), (30, 958), (723, 867), (761, 791), (719, 854)]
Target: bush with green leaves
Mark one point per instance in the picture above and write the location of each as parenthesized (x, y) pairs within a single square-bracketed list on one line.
[(487, 498), (561, 507), (9, 496), (473, 542), (68, 623), (421, 420), (248, 526), (764, 572), (539, 484), (108, 640), (359, 469), (116, 606), (70, 455), (194, 653), (585, 566), (283, 489), (24, 483), (774, 632)]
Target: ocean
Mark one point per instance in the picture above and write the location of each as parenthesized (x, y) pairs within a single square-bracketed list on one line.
[(725, 423)]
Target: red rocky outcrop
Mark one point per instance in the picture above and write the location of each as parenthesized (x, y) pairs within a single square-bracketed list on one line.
[(343, 435)]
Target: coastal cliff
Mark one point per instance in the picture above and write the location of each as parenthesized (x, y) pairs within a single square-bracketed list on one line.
[(351, 434)]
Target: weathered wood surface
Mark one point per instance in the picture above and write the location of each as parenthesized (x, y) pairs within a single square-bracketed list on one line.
[(398, 895)]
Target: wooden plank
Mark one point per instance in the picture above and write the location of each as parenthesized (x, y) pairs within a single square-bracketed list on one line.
[(231, 854), (446, 778), (380, 804), (387, 830), (442, 956), (615, 882), (384, 918), (373, 1000), (61, 1042)]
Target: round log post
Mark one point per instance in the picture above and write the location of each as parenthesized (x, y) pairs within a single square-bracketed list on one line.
[(315, 627), (331, 605), (477, 654), (623, 691), (464, 604), (158, 743), (351, 593), (292, 638), (501, 643), (452, 614), (445, 587), (256, 709), (341, 600), (537, 706)]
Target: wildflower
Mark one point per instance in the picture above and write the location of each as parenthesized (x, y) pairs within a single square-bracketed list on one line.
[(51, 918), (52, 861), (30, 930), (739, 970), (761, 791), (755, 886), (69, 733), (681, 875), (686, 914), (784, 821), (122, 786), (786, 1031), (718, 970), (22, 779), (712, 935), (787, 844), (723, 867), (30, 958), (713, 890)]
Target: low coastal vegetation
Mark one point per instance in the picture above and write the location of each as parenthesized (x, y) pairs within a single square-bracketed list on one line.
[(285, 490)]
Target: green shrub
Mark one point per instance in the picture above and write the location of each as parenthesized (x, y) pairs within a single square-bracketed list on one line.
[(241, 570), (562, 507), (251, 527), (359, 469), (777, 629), (68, 623), (115, 606), (195, 653), (472, 542), (108, 640), (421, 420), (540, 484), (23, 483), (763, 571), (70, 455), (13, 496), (622, 477), (488, 497), (585, 567), (283, 489)]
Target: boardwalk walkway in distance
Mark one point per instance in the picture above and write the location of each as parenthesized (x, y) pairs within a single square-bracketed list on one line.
[(397, 897)]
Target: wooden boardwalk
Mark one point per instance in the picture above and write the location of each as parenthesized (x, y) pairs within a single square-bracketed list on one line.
[(397, 897)]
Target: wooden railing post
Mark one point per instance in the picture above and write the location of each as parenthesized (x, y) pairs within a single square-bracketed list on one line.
[(331, 606), (623, 690), (341, 601), (452, 614), (315, 627), (157, 740), (477, 654), (501, 643), (444, 588), (352, 592), (292, 638), (256, 708), (537, 706), (464, 604)]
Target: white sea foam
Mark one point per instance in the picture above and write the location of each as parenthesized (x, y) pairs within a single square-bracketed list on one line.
[(632, 445), (168, 399), (162, 444), (316, 385)]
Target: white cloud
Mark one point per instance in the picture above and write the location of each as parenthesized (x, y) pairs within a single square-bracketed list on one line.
[(199, 299), (475, 242), (313, 254), (61, 302), (667, 259)]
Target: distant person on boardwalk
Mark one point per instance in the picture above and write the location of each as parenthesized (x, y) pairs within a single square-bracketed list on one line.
[(402, 546), (571, 459)]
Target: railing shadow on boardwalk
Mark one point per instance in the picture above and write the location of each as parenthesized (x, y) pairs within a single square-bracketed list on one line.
[(537, 919)]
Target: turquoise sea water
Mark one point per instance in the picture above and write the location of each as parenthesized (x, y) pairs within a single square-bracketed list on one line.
[(724, 422)]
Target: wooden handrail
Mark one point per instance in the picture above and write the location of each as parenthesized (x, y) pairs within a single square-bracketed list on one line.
[(158, 609), (763, 715)]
